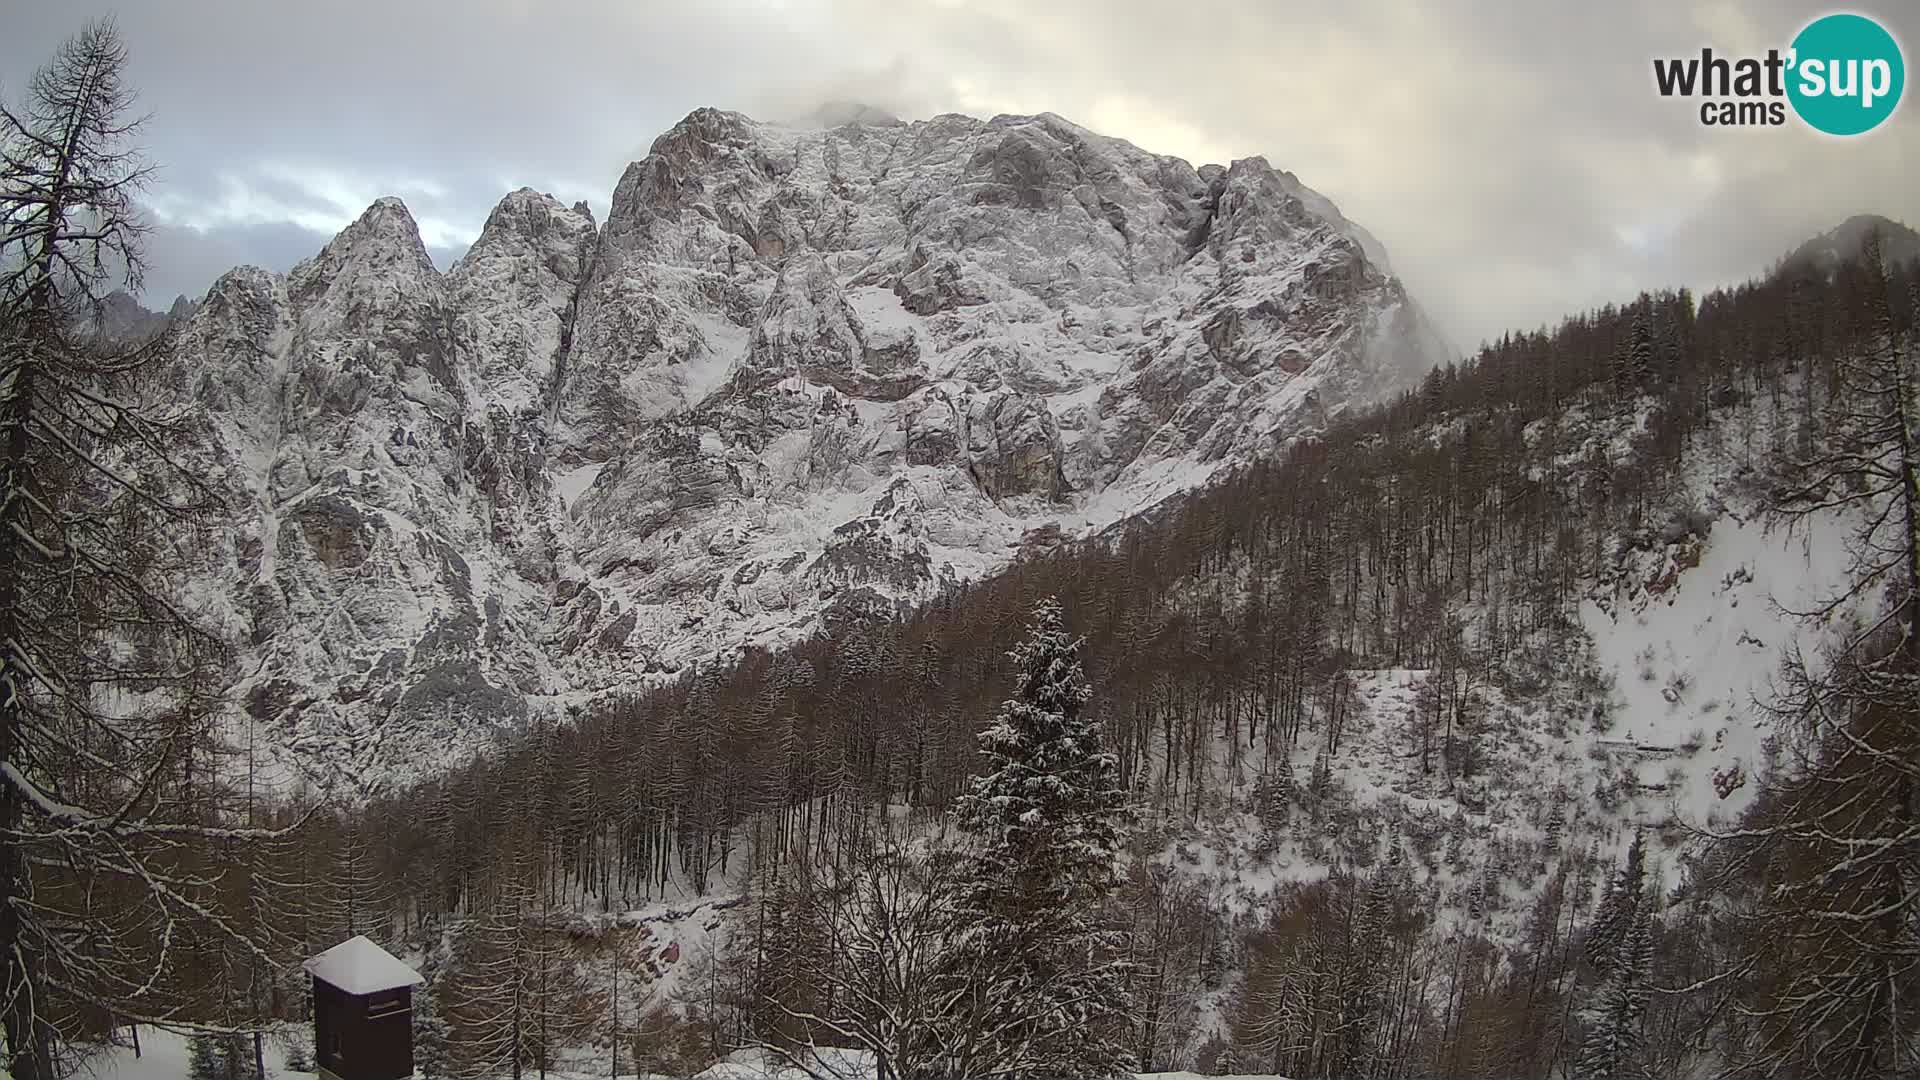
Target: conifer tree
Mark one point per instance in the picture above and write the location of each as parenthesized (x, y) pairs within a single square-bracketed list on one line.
[(484, 992), (432, 1051), (1613, 917), (1633, 364), (217, 1057), (1366, 978), (1619, 953), (1049, 993), (352, 895), (1556, 825), (1613, 1044)]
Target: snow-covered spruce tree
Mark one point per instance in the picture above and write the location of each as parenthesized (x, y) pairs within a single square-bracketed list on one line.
[(108, 847), (1612, 1046), (205, 1058), (1619, 906), (1041, 976), (1633, 365), (219, 1057), (1365, 976), (1611, 984)]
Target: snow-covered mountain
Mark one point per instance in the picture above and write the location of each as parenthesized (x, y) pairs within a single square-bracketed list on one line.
[(797, 376)]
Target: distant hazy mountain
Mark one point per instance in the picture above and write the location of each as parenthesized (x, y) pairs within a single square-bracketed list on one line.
[(1898, 242), (122, 318)]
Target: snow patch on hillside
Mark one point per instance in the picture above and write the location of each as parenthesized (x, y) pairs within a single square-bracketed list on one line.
[(1695, 650), (574, 482)]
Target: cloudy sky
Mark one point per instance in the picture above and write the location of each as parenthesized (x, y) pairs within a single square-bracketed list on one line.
[(1511, 154)]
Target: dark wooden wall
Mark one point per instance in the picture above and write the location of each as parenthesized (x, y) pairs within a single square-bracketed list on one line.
[(363, 1037)]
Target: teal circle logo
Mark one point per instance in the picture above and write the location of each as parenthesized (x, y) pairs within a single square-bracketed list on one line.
[(1845, 74)]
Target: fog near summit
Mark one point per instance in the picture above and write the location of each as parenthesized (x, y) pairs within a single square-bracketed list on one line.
[(1515, 159)]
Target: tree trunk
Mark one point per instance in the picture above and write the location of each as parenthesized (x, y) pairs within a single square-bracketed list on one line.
[(26, 1041)]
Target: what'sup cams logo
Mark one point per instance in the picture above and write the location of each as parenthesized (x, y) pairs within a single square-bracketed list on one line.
[(1842, 75)]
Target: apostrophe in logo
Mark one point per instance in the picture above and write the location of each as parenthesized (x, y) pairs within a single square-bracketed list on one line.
[(1842, 74), (1847, 74)]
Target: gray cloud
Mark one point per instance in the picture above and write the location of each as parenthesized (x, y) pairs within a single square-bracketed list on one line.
[(1511, 155)]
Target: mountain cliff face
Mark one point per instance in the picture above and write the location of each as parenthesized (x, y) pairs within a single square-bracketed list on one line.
[(797, 376)]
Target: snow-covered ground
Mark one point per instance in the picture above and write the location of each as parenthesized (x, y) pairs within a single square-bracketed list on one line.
[(847, 1065), (164, 1055)]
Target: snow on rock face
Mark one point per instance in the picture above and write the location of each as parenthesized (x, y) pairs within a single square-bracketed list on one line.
[(797, 376), (511, 306), (511, 296), (384, 614), (808, 329), (370, 357)]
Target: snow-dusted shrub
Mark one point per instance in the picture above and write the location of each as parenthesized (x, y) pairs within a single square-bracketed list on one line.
[(1607, 794), (673, 1043)]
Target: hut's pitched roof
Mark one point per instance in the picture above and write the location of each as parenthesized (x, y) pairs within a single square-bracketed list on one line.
[(358, 966)]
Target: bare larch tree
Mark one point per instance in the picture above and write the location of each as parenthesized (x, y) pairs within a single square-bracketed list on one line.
[(109, 851)]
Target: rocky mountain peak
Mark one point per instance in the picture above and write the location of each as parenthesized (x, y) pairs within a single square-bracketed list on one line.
[(120, 318), (385, 227), (800, 375), (528, 224), (376, 261), (512, 297)]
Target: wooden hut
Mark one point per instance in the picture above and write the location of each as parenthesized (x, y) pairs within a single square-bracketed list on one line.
[(362, 1012)]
